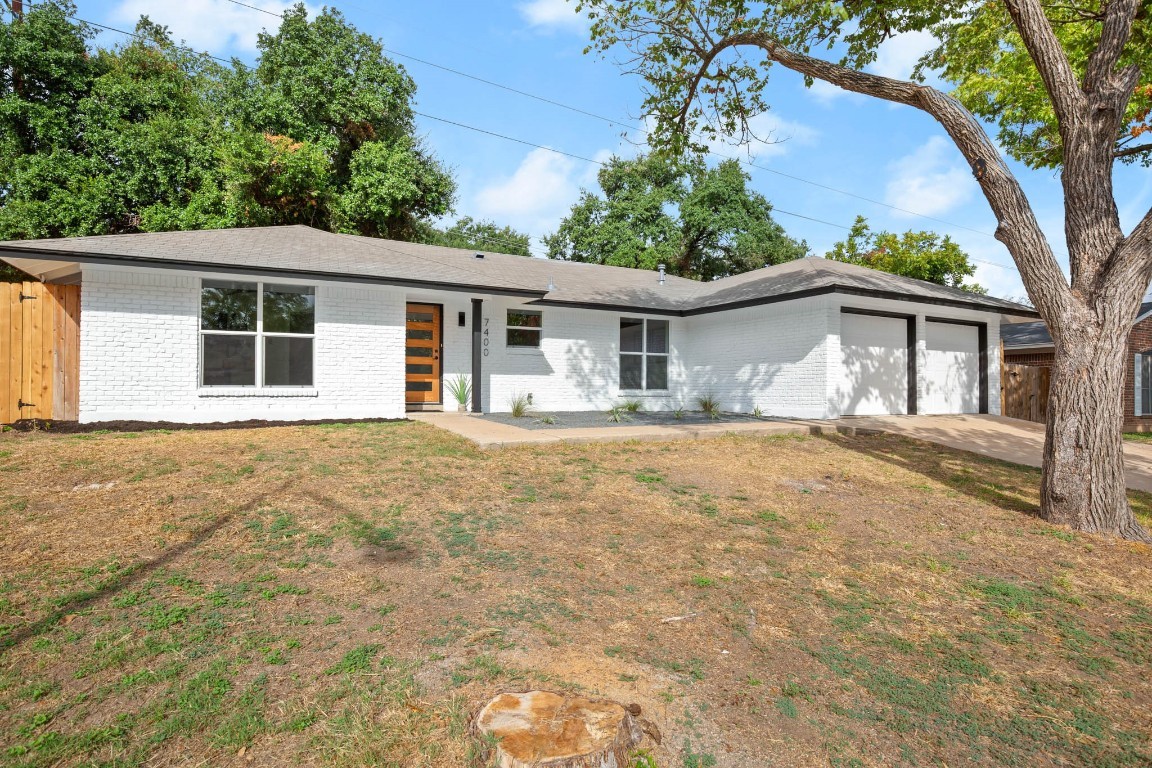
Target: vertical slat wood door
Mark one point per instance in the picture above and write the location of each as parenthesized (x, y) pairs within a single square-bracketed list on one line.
[(39, 351), (422, 354)]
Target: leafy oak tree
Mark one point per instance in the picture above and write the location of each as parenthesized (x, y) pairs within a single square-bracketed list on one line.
[(700, 222), (922, 255), (482, 235), (150, 136), (1067, 84)]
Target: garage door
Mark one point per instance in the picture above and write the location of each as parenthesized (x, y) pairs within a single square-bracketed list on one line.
[(951, 369), (874, 351)]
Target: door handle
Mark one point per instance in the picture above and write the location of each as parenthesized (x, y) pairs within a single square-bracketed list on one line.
[(435, 353)]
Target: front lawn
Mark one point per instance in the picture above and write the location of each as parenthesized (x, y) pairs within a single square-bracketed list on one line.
[(347, 595)]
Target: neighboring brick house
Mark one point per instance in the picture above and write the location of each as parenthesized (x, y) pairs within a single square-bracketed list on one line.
[(1029, 344)]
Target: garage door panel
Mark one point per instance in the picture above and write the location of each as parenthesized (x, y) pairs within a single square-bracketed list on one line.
[(951, 379), (874, 354)]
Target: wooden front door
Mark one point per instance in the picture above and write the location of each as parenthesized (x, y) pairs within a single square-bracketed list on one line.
[(39, 351), (422, 354)]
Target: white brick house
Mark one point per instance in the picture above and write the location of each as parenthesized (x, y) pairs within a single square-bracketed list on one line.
[(286, 323)]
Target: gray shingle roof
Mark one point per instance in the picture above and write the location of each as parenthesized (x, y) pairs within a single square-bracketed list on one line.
[(315, 253), (1029, 335)]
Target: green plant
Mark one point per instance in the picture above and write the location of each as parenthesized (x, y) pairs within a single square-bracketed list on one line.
[(460, 387), (632, 406), (519, 404), (678, 414), (643, 758), (758, 412), (617, 414), (709, 405), (549, 419)]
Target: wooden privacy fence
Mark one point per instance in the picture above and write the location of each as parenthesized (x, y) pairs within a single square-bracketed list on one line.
[(39, 352), (1024, 389)]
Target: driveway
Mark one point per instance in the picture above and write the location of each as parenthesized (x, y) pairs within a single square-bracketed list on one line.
[(1013, 440)]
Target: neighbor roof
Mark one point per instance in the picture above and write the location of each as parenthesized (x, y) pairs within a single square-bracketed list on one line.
[(299, 251), (1033, 335)]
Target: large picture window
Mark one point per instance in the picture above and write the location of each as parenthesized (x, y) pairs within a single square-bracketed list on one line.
[(643, 353), (524, 328), (256, 334)]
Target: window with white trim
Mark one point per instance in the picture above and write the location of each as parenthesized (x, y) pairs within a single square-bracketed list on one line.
[(643, 354), (524, 328), (1143, 383), (256, 334)]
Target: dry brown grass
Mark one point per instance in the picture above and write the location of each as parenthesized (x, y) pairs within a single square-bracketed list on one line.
[(345, 595)]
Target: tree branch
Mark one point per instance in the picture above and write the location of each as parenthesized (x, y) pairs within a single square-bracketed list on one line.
[(1049, 57), (1118, 17), (1129, 151), (1018, 228)]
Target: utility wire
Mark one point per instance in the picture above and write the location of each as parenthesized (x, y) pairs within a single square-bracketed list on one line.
[(561, 152)]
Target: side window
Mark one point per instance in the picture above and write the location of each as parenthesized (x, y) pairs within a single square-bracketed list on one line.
[(1144, 385), (643, 354), (524, 328)]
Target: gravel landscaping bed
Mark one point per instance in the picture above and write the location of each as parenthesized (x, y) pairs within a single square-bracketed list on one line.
[(585, 419)]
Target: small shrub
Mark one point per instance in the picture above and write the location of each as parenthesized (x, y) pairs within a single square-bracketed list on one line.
[(616, 415), (678, 414), (519, 405), (460, 387), (709, 405), (632, 406), (757, 412), (548, 419)]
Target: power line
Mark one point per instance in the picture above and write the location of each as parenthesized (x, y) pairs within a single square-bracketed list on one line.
[(561, 152)]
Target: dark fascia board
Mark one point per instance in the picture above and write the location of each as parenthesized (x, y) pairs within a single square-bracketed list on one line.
[(760, 300), (876, 313), (952, 321), (192, 266)]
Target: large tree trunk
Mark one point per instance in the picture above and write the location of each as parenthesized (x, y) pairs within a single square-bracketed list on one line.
[(1083, 484)]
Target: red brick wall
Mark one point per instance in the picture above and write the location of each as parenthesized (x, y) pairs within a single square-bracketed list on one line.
[(1140, 340), (1028, 358)]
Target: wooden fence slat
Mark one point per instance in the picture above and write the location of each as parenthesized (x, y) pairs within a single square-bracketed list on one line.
[(26, 335), (9, 351), (45, 307), (1025, 391)]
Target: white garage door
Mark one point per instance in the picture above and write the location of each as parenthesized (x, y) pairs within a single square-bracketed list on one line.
[(874, 351), (951, 378)]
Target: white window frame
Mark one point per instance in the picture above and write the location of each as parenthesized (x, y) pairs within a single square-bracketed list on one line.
[(1141, 381), (259, 334), (645, 354), (539, 329)]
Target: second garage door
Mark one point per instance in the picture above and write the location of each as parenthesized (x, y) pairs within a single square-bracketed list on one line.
[(874, 352), (951, 369)]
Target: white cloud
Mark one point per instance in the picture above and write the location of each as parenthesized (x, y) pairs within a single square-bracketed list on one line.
[(931, 181), (777, 136), (553, 14), (897, 57), (537, 195), (214, 26)]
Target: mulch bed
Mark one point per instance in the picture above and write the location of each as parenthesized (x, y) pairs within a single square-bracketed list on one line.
[(77, 428)]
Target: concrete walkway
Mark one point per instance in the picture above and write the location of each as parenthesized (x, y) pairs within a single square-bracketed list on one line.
[(491, 434), (1021, 442)]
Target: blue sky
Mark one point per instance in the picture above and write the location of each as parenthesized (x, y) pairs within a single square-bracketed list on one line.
[(892, 154)]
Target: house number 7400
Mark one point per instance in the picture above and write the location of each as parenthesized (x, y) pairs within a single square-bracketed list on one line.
[(486, 321)]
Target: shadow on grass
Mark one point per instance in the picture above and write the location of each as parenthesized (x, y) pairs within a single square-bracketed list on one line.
[(74, 601), (1003, 484)]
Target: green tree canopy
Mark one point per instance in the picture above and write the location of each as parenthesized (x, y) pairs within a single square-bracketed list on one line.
[(150, 136), (922, 255), (482, 235), (700, 222)]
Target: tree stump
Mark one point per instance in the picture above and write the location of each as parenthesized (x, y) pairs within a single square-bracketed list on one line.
[(541, 729)]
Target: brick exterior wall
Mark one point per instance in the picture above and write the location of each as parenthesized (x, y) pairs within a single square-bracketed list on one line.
[(1029, 358), (1139, 340), (139, 354)]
